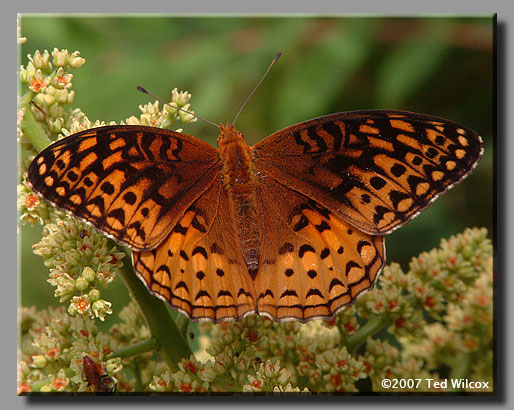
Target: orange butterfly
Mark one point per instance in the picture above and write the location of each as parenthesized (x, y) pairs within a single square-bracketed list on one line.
[(290, 228)]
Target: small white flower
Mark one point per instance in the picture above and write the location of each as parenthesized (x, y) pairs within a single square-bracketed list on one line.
[(100, 308)]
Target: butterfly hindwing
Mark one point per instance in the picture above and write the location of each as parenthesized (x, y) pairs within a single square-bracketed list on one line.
[(374, 169), (312, 263), (199, 267), (131, 182)]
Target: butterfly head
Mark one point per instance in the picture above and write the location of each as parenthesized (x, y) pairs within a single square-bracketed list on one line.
[(229, 135)]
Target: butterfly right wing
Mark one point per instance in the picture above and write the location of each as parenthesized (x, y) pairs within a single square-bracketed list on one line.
[(199, 268), (131, 182), (375, 169)]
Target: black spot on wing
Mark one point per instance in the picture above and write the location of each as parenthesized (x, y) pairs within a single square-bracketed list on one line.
[(201, 250), (303, 249)]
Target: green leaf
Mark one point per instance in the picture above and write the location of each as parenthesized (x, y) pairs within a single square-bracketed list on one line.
[(411, 65)]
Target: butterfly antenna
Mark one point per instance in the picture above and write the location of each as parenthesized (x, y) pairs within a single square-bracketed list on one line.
[(39, 108), (257, 86), (139, 88)]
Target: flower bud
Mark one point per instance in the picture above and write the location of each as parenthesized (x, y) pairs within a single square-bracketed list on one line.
[(180, 98), (186, 117), (60, 58), (39, 361), (81, 284), (88, 274), (283, 376), (56, 125), (75, 61), (207, 374), (41, 60), (54, 111), (23, 74), (94, 295), (71, 97), (31, 70), (61, 96), (133, 120)]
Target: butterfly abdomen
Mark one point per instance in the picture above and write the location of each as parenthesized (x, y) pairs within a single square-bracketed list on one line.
[(240, 181)]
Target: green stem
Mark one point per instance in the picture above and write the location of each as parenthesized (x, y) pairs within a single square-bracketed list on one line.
[(172, 346), (148, 345), (30, 127), (182, 323), (371, 327), (137, 375), (343, 335)]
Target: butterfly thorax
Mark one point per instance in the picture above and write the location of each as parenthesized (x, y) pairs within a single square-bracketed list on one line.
[(240, 181)]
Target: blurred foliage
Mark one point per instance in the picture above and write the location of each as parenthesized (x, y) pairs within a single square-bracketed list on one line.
[(440, 66)]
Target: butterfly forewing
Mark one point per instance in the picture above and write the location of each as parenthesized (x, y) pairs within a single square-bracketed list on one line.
[(374, 169), (131, 182)]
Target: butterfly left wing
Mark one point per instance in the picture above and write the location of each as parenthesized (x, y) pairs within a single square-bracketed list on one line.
[(199, 268), (374, 169), (312, 263), (131, 182)]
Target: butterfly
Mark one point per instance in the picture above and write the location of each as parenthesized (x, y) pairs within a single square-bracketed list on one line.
[(291, 228), (96, 376)]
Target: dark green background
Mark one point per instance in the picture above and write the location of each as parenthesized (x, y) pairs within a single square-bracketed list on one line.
[(439, 66)]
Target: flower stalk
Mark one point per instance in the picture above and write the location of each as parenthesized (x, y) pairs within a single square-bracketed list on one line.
[(171, 344), (30, 126), (371, 327), (148, 345)]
